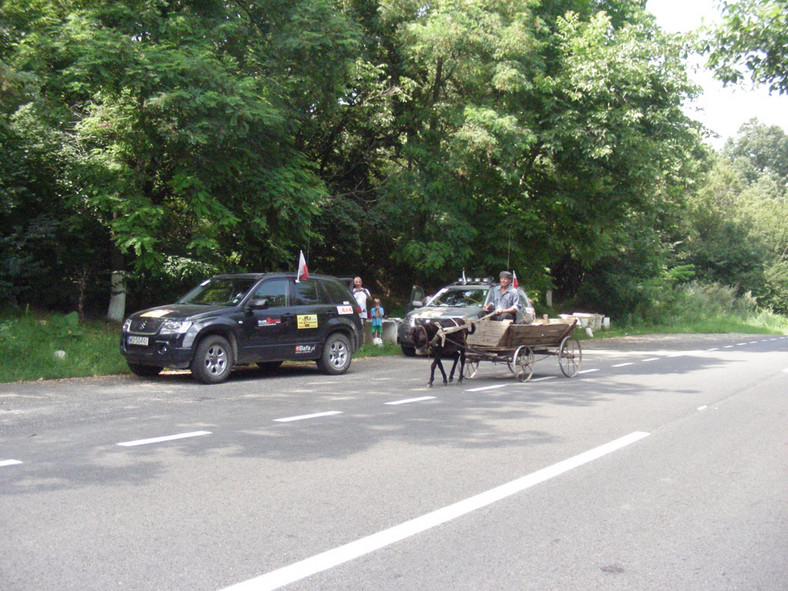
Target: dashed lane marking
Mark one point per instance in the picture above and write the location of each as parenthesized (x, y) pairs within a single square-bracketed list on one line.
[(409, 400), (483, 388), (162, 439), (306, 417)]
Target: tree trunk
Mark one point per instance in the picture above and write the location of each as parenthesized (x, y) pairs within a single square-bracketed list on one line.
[(117, 290), (84, 275), (117, 299)]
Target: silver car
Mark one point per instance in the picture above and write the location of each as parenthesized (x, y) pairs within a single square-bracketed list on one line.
[(458, 300)]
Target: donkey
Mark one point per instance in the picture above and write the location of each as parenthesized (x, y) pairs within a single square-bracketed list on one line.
[(444, 344)]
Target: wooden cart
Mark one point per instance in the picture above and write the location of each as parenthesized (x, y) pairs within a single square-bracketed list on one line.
[(518, 345)]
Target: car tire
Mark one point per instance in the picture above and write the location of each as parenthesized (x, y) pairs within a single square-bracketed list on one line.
[(145, 371), (408, 351), (336, 355), (212, 361)]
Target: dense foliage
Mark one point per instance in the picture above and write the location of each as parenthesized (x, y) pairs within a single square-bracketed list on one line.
[(750, 42), (400, 140)]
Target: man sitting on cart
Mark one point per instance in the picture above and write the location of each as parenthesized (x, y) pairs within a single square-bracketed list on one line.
[(505, 299)]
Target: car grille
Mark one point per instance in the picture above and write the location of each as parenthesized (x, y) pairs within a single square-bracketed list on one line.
[(145, 325)]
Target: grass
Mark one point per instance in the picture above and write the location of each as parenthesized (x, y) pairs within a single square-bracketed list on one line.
[(51, 346), (757, 323)]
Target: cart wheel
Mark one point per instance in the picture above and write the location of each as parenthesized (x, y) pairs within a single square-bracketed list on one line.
[(522, 363), (471, 369), (570, 356)]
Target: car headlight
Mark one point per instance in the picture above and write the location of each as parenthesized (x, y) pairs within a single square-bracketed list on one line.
[(126, 325), (175, 326)]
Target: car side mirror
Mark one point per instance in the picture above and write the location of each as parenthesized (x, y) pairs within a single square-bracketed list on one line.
[(416, 303), (259, 304)]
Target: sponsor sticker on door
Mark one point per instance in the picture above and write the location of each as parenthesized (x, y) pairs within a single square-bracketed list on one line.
[(307, 321)]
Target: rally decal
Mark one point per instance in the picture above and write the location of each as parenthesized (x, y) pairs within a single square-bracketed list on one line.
[(304, 349), (155, 313), (307, 321), (269, 321), (345, 309)]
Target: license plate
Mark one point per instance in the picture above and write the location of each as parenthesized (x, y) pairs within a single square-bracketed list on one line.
[(143, 341)]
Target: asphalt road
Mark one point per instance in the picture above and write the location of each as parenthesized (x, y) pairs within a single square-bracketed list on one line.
[(663, 465)]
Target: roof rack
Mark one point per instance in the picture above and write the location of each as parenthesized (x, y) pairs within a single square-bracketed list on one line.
[(473, 281)]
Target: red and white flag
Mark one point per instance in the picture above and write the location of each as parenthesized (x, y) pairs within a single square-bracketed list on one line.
[(514, 280), (303, 272)]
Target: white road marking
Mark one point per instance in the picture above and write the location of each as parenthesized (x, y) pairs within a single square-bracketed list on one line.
[(4, 463), (532, 380), (165, 438), (728, 347), (624, 364), (409, 400), (702, 408), (588, 371), (651, 359), (483, 388), (342, 554), (312, 416)]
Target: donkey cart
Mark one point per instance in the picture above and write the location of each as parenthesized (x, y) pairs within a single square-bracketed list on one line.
[(518, 345)]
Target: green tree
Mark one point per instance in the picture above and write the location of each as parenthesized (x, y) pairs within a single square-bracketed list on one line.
[(759, 156), (750, 41), (759, 149), (524, 134), (182, 128)]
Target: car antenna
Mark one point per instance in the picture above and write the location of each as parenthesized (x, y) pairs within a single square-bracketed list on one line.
[(509, 248)]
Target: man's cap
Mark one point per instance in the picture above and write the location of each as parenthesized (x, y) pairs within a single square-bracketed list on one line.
[(506, 274)]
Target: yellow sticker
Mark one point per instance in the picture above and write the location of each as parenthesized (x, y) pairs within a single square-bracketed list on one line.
[(307, 321)]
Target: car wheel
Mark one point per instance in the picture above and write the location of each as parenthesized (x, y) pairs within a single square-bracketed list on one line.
[(336, 355), (144, 371), (408, 350), (212, 361)]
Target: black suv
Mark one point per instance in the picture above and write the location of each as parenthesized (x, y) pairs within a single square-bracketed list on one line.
[(462, 299), (239, 319)]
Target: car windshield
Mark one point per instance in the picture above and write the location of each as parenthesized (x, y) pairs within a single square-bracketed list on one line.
[(219, 291), (459, 296)]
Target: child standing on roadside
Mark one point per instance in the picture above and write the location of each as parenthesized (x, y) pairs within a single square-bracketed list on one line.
[(376, 330)]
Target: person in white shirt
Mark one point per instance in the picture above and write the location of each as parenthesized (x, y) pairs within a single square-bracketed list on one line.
[(361, 294)]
